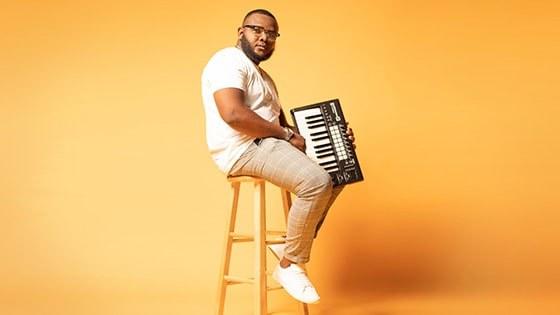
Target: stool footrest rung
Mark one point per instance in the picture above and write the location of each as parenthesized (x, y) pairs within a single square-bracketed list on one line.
[(275, 241), (275, 287), (237, 238), (282, 233), (237, 280)]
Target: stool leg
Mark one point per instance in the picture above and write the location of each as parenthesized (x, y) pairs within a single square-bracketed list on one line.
[(226, 257), (286, 204), (260, 249)]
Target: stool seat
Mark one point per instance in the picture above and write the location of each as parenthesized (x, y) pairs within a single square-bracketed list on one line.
[(244, 178), (259, 237)]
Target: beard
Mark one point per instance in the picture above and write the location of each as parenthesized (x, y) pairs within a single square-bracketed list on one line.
[(248, 50)]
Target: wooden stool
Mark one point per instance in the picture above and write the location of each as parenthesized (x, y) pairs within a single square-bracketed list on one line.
[(259, 237)]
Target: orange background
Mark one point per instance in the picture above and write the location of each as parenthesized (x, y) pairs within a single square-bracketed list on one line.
[(110, 203)]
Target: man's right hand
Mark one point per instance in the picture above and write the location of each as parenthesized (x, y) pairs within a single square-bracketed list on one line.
[(298, 141)]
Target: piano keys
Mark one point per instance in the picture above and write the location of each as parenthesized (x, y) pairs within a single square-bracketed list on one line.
[(324, 128)]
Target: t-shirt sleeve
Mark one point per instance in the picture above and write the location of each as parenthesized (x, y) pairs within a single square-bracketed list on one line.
[(226, 71)]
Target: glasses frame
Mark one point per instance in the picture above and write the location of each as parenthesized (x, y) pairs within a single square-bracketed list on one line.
[(272, 35)]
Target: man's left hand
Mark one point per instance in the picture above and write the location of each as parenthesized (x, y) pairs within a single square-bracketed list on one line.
[(350, 134)]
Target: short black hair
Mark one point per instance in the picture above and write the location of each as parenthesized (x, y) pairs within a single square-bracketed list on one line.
[(259, 11)]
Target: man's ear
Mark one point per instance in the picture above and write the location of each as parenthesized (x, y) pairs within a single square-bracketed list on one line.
[(239, 32)]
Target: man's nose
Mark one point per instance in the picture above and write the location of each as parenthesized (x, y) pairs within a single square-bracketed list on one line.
[(265, 37)]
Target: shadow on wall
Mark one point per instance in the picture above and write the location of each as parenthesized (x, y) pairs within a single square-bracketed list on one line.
[(392, 249)]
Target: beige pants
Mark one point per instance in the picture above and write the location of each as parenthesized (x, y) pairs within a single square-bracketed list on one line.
[(282, 164)]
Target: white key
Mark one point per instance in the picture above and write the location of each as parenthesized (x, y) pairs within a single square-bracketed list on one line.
[(318, 129), (329, 158), (320, 142)]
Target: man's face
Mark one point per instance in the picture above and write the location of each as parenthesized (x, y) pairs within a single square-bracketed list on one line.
[(255, 37)]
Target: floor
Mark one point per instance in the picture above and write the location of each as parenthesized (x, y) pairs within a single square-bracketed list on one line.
[(134, 303)]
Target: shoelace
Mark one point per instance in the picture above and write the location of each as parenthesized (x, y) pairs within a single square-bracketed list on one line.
[(301, 278)]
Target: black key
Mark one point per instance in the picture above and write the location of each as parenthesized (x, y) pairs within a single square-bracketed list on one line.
[(331, 168), (324, 155), (324, 150), (318, 133), (328, 163), (315, 126), (313, 116), (320, 146), (315, 121), (321, 138)]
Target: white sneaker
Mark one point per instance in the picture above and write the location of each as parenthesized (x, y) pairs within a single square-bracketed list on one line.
[(295, 282), (277, 250)]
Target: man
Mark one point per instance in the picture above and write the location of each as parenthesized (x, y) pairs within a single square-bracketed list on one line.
[(247, 134)]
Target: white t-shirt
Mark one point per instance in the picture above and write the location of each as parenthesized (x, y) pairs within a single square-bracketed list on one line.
[(231, 68)]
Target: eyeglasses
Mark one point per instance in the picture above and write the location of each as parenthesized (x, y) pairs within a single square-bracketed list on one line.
[(272, 35)]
